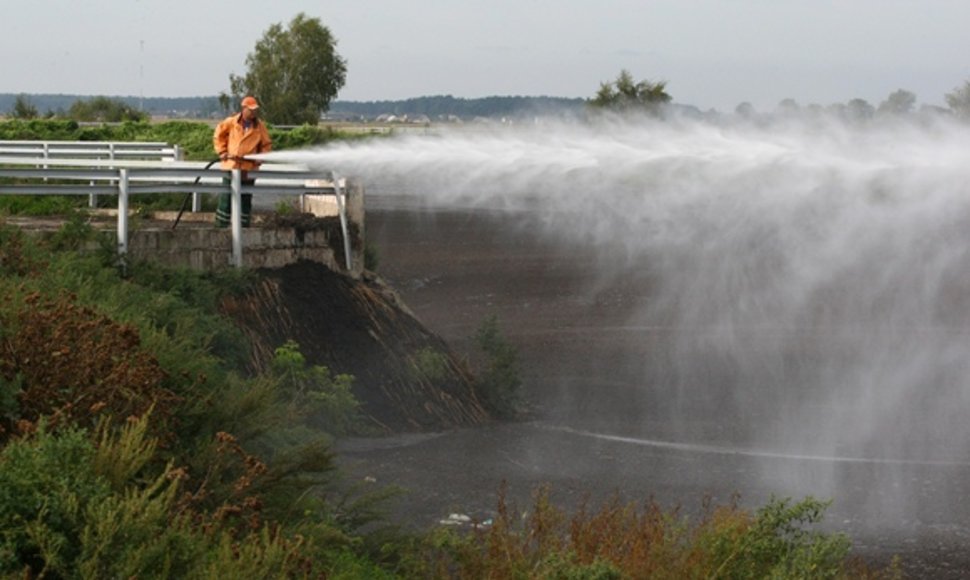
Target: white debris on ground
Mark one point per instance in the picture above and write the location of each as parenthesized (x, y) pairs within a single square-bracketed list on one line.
[(457, 519)]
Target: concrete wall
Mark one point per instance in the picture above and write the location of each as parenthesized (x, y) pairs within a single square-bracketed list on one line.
[(197, 244), (210, 248), (326, 204)]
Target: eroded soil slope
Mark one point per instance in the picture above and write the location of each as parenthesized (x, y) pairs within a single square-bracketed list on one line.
[(407, 377)]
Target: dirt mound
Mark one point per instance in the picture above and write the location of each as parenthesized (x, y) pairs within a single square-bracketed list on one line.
[(360, 328)]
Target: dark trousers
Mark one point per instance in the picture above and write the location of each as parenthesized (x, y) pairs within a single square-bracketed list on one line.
[(224, 210)]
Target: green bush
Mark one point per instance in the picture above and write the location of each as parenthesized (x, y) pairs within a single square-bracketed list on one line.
[(46, 485), (500, 380), (73, 234), (39, 130), (40, 205), (70, 509), (324, 399), (631, 541), (372, 258), (431, 364)]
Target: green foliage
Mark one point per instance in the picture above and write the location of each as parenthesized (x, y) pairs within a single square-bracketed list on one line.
[(195, 139), (104, 109), (46, 484), (959, 101), (23, 108), (625, 95), (372, 257), (303, 136), (859, 110), (122, 453), (234, 510), (293, 72), (18, 255), (900, 102), (40, 205), (68, 510), (778, 544), (500, 381), (324, 399), (628, 541), (73, 233), (431, 364), (11, 390), (285, 208), (39, 129)]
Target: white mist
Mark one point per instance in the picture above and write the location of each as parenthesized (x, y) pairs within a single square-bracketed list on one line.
[(815, 277)]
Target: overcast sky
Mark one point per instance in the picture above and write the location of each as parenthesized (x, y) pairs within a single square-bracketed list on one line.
[(712, 53)]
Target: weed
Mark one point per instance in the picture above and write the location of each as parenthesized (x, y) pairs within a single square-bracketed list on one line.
[(431, 364), (372, 258), (629, 541), (313, 392), (73, 234)]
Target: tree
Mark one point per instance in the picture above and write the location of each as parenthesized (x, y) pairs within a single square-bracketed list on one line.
[(23, 108), (745, 110), (859, 110), (225, 102), (959, 101), (294, 73), (105, 110), (898, 103), (788, 106), (625, 95)]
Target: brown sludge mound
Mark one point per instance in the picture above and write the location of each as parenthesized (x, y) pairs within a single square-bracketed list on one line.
[(359, 328)]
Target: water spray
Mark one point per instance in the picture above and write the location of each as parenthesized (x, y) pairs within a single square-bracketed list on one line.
[(815, 276)]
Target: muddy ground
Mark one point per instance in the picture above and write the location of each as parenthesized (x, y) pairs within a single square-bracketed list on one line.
[(594, 427)]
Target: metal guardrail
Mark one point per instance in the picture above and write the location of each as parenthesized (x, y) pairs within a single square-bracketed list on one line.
[(109, 151), (129, 178), (150, 150)]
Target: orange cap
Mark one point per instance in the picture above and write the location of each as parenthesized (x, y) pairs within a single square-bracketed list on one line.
[(250, 103)]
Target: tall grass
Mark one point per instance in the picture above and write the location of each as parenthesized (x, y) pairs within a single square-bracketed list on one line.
[(629, 540)]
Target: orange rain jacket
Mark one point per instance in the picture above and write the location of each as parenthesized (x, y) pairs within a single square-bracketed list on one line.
[(231, 138)]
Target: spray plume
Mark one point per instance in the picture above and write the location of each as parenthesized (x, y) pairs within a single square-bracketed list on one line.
[(815, 277)]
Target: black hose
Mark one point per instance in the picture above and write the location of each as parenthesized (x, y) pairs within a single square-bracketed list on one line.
[(188, 196)]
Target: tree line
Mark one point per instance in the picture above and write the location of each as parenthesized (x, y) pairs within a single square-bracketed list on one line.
[(27, 106)]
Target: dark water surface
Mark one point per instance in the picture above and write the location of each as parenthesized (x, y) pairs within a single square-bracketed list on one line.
[(600, 422)]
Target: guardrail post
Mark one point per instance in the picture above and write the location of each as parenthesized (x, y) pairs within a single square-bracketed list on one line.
[(236, 218), (123, 213), (342, 211)]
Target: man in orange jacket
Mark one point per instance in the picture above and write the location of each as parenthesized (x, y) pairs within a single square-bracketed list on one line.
[(234, 138)]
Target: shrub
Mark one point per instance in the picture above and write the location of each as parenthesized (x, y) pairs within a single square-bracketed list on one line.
[(71, 509), (372, 257), (313, 392), (18, 257), (500, 380), (74, 363), (73, 234), (46, 484), (431, 364), (626, 541)]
